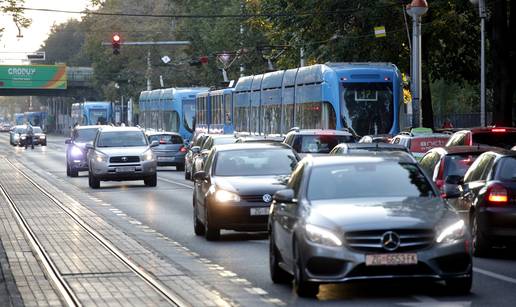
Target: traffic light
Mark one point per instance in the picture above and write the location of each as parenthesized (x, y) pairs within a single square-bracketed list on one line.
[(115, 42)]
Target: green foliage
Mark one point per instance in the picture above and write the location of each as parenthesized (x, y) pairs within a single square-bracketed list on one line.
[(12, 8)]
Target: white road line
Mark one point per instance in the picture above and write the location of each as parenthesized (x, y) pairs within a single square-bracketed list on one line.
[(495, 275), (175, 182)]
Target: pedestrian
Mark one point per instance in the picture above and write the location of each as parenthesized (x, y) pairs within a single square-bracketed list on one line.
[(447, 123), (29, 135)]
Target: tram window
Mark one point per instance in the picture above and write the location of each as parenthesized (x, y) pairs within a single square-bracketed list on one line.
[(227, 109), (188, 114), (315, 115), (171, 121)]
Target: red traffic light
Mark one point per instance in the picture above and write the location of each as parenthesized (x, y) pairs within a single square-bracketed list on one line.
[(203, 59), (116, 38)]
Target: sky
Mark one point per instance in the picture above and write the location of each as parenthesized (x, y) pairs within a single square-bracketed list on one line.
[(13, 49)]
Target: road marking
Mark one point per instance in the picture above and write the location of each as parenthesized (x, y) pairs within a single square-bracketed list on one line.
[(175, 182), (495, 275)]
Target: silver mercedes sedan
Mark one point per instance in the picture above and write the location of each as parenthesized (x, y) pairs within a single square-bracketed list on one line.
[(354, 218), (121, 153)]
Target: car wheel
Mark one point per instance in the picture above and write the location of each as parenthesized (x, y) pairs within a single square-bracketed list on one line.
[(278, 275), (151, 181), (68, 173), (44, 144), (187, 175), (460, 285), (302, 287), (74, 172), (479, 243), (180, 167), (210, 233), (198, 226), (93, 181)]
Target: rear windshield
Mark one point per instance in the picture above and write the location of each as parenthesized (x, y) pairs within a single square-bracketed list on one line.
[(37, 130), (382, 179), (166, 139), (458, 164), (424, 144), (319, 143), (85, 135), (122, 139), (255, 162), (507, 169), (377, 149), (223, 140), (499, 139)]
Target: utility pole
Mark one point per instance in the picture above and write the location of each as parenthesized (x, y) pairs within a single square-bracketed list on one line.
[(302, 56), (416, 9), (242, 69)]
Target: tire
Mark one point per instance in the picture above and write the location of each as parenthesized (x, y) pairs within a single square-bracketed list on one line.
[(93, 181), (180, 168), (151, 181), (302, 287), (44, 144), (74, 172), (187, 175), (479, 244), (210, 233), (68, 173), (278, 275), (460, 285), (198, 226)]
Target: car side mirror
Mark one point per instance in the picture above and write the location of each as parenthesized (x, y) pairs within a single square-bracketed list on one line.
[(205, 152), (195, 149), (284, 196), (68, 141), (89, 146), (154, 144), (200, 176)]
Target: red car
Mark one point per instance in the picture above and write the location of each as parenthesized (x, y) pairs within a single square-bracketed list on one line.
[(504, 137)]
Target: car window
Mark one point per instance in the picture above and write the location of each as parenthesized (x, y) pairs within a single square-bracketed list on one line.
[(354, 180), (507, 169), (223, 140), (121, 139), (255, 162), (459, 138), (322, 143), (499, 139), (429, 162), (84, 135), (209, 162), (488, 165), (37, 130), (458, 164), (166, 138), (295, 179), (208, 144), (476, 169)]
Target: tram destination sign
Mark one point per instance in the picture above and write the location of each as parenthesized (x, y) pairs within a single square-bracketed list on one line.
[(33, 77)]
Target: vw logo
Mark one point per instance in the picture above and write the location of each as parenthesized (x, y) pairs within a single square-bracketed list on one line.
[(124, 159), (390, 241), (267, 198)]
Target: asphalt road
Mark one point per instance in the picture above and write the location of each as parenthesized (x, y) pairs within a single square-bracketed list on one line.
[(167, 209)]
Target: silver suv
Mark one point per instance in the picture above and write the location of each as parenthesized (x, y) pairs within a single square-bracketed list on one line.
[(121, 153)]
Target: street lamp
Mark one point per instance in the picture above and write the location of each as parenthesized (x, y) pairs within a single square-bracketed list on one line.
[(416, 9), (482, 13)]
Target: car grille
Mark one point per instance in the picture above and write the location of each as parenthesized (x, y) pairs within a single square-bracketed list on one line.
[(124, 159), (371, 241), (362, 270), (252, 198)]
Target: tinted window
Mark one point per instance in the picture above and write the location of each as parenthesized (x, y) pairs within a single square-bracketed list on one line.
[(166, 139), (428, 163), (319, 143), (85, 135), (507, 169), (458, 164), (121, 139), (224, 140), (499, 139), (476, 169), (255, 162), (352, 180)]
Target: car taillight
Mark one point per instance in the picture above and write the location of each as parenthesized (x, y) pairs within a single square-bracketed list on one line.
[(183, 149), (497, 194), (498, 130), (439, 183)]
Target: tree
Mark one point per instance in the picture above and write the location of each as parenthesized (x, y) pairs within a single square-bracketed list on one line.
[(12, 8), (72, 35)]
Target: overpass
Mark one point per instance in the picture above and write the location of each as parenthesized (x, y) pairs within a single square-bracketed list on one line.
[(17, 80)]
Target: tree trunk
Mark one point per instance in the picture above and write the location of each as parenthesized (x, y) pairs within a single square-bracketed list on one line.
[(503, 85)]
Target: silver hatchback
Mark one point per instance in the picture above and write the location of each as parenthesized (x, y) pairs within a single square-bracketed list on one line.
[(121, 153)]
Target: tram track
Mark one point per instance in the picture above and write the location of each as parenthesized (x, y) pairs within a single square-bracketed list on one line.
[(52, 271)]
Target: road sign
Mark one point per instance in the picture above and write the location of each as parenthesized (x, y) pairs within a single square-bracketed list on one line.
[(36, 56), (33, 77), (379, 31)]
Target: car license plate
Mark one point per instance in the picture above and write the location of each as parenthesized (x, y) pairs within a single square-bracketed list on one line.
[(391, 259), (260, 211), (166, 158), (125, 169)]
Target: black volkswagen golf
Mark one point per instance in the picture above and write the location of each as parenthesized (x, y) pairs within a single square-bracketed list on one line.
[(234, 191)]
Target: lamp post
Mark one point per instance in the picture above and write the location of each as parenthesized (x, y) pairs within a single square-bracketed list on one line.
[(482, 13), (416, 9)]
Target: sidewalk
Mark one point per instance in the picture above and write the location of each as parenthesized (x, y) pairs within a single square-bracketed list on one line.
[(93, 273)]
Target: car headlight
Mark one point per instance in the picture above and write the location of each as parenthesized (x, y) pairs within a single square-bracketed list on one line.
[(76, 152), (43, 137), (23, 137), (100, 157), (322, 236), (223, 196), (148, 156), (451, 233)]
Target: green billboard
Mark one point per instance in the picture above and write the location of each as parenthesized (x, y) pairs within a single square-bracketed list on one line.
[(33, 77)]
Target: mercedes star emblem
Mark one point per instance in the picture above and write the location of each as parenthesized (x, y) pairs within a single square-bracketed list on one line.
[(390, 241)]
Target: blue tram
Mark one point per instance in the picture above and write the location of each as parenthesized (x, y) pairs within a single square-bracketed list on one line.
[(92, 113)]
